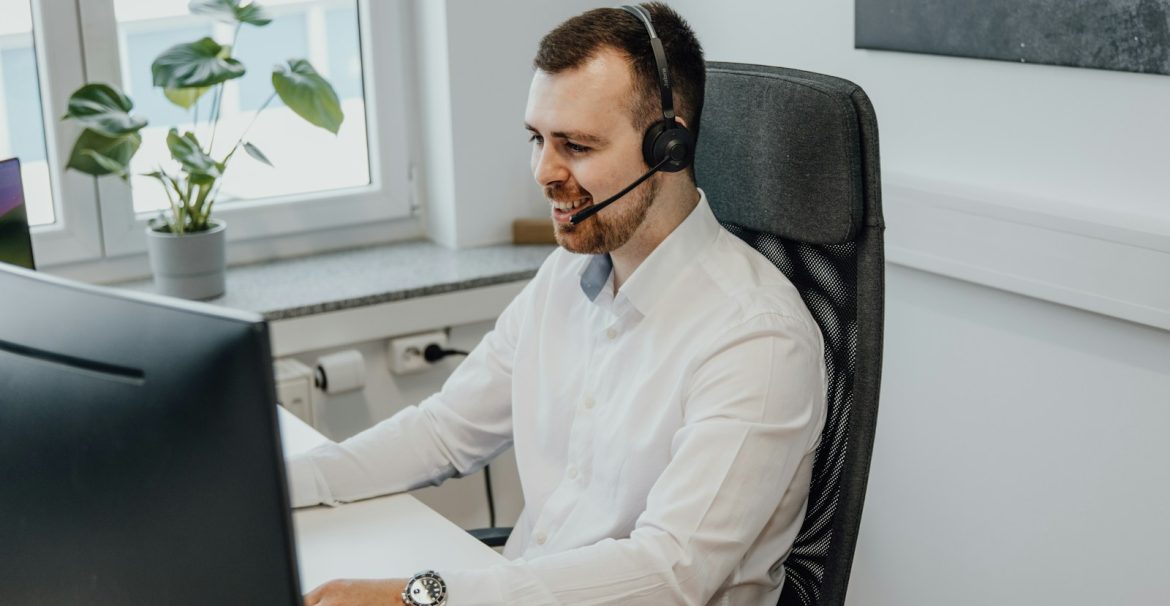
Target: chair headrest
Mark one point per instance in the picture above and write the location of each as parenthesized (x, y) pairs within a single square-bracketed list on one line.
[(780, 151)]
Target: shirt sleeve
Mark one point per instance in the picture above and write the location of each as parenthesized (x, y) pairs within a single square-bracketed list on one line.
[(453, 432), (754, 408)]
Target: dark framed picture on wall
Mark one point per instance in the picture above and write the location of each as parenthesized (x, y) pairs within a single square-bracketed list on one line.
[(1122, 35)]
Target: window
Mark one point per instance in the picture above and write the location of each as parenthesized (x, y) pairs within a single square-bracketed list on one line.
[(22, 129), (318, 181)]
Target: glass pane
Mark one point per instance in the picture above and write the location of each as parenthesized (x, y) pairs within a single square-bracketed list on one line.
[(306, 159), (287, 36), (345, 58), (22, 126)]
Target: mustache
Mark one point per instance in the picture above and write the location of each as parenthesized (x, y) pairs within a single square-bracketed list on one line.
[(560, 192)]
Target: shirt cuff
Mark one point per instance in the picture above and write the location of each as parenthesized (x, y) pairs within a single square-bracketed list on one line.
[(481, 587), (306, 485)]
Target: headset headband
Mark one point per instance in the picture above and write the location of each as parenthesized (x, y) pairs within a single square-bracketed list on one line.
[(659, 60)]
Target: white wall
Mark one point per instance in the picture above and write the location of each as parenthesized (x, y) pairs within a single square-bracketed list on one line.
[(475, 63), (434, 174), (1019, 455), (1085, 138), (1063, 169)]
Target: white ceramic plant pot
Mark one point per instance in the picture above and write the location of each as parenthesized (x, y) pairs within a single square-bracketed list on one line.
[(190, 266)]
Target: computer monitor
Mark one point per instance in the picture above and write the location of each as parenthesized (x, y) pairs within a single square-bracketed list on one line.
[(15, 241), (140, 457)]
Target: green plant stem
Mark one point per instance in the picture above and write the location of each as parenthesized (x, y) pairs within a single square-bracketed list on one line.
[(249, 127), (167, 191), (215, 109), (200, 217), (207, 213), (214, 195), (177, 214), (188, 210), (219, 96)]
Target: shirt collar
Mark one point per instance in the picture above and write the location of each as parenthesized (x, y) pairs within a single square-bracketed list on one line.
[(650, 280), (595, 275)]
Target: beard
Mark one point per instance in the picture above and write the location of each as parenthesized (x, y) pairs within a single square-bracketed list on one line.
[(609, 229)]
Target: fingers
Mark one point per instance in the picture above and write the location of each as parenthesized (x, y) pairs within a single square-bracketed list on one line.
[(351, 592), (313, 598), (318, 596)]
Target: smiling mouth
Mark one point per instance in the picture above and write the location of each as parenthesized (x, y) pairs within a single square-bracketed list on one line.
[(569, 206), (562, 212)]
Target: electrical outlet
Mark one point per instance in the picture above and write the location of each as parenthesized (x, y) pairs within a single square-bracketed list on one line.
[(406, 353), (294, 388)]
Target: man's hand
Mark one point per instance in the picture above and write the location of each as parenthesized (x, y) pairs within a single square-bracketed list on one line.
[(363, 592)]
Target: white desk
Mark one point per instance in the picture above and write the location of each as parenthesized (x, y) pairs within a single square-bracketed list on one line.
[(387, 537)]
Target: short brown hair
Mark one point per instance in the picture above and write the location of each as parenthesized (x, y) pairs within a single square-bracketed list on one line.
[(579, 39)]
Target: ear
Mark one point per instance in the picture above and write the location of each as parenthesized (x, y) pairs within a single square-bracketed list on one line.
[(679, 120)]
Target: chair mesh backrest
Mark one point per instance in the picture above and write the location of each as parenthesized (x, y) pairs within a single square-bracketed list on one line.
[(826, 279), (789, 162)]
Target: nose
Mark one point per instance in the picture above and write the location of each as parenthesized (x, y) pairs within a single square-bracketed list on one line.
[(547, 165)]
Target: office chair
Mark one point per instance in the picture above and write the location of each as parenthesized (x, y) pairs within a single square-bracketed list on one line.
[(789, 162)]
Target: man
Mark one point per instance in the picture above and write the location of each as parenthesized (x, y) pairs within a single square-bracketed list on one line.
[(661, 382)]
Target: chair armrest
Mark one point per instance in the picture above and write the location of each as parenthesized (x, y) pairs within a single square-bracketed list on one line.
[(492, 537)]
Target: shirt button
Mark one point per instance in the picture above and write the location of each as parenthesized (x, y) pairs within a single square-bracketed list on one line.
[(540, 538), (611, 333), (588, 403), (572, 473)]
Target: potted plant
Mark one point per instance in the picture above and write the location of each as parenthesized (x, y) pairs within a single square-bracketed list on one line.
[(185, 244)]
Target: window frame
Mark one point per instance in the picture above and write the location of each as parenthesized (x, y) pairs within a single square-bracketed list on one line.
[(99, 222), (76, 233)]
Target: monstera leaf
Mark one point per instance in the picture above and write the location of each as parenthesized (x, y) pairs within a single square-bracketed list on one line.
[(185, 97), (110, 138), (98, 154), (305, 92), (185, 149), (195, 64), (108, 163), (230, 11), (104, 110)]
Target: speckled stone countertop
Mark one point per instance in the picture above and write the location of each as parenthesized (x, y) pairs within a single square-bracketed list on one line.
[(291, 288)]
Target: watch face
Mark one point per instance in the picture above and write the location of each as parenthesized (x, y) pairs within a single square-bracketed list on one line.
[(427, 589)]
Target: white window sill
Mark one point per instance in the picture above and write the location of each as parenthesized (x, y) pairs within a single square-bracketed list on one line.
[(349, 296), (1100, 259)]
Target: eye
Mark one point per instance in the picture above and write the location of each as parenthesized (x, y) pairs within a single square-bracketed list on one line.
[(575, 148), (537, 139)]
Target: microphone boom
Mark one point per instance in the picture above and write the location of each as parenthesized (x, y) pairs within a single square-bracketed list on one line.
[(596, 208)]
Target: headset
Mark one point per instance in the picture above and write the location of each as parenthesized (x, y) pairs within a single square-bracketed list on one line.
[(666, 140), (667, 145)]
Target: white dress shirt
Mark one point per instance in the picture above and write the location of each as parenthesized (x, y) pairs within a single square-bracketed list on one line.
[(664, 437)]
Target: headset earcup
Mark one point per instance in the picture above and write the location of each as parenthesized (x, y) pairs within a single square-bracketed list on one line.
[(666, 138)]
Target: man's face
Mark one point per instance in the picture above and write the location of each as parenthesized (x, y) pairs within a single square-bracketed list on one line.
[(585, 149)]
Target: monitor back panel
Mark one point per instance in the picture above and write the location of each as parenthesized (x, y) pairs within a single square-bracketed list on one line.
[(139, 453)]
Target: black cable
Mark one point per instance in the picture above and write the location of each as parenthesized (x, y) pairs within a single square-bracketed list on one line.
[(433, 353), (487, 480)]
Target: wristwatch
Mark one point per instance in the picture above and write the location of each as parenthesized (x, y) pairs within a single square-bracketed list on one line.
[(425, 589)]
